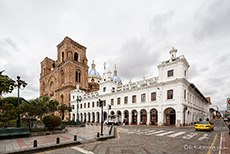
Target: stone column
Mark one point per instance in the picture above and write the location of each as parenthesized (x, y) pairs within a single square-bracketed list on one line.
[(148, 118), (160, 118), (130, 118), (138, 117)]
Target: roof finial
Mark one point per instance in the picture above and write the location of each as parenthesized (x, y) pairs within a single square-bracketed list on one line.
[(104, 66), (115, 70), (93, 65), (173, 52)]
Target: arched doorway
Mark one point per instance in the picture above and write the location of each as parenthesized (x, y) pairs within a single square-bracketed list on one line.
[(143, 117), (84, 117), (112, 113), (126, 118), (89, 117), (73, 118), (105, 116), (98, 117), (153, 116), (134, 117), (93, 120), (170, 116), (119, 116), (81, 117)]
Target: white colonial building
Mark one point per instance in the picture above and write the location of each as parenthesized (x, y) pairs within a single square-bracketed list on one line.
[(168, 99)]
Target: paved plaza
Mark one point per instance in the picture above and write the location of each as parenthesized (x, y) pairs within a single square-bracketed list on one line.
[(162, 140), (84, 135)]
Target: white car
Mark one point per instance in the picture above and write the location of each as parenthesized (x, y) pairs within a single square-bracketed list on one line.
[(111, 120)]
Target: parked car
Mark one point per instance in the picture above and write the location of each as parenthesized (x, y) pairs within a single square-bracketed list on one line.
[(204, 125), (112, 120)]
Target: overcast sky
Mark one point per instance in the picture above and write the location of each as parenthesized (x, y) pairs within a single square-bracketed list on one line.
[(133, 34)]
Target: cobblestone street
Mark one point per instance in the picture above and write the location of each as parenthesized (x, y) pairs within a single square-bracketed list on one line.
[(148, 140)]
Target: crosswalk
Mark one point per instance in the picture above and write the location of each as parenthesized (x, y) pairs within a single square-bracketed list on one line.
[(167, 133)]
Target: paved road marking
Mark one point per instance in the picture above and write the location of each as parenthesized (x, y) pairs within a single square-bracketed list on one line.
[(210, 150), (203, 137), (151, 131), (82, 150), (176, 134), (162, 134), (189, 136), (155, 132)]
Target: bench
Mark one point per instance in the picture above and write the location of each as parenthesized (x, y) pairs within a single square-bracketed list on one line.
[(14, 132)]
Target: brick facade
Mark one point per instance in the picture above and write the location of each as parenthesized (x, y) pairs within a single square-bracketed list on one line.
[(58, 78)]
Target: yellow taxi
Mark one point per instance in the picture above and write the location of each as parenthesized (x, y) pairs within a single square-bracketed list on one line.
[(204, 125)]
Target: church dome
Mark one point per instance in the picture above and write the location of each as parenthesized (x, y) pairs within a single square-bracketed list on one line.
[(94, 72), (117, 79)]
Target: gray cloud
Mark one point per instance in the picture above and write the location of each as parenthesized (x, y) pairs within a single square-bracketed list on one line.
[(158, 25), (213, 20), (135, 59)]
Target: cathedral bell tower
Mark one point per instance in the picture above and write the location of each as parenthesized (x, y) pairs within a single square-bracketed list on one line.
[(58, 78)]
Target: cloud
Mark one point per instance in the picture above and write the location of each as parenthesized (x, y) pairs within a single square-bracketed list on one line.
[(158, 25), (135, 59), (213, 21)]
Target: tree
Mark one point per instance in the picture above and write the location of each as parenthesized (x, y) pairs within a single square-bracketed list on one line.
[(9, 108), (51, 104), (62, 108), (6, 84)]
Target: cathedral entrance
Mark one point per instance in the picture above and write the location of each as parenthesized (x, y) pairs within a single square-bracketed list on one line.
[(170, 116), (153, 116), (143, 117)]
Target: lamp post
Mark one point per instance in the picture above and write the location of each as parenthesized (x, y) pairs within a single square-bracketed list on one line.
[(23, 84), (78, 100)]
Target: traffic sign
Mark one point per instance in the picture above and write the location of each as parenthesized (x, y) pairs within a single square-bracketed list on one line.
[(229, 101)]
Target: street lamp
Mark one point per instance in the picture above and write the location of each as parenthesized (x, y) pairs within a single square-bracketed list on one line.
[(23, 84), (78, 100)]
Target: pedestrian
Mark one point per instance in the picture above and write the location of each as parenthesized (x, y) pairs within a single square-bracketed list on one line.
[(207, 119), (124, 122), (200, 119)]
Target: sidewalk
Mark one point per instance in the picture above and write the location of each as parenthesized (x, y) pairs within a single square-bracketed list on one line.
[(84, 135)]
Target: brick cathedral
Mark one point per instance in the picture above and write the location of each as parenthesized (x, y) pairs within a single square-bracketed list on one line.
[(58, 78)]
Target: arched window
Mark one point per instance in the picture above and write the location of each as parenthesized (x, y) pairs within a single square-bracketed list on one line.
[(62, 76), (63, 56), (44, 71), (78, 76), (62, 99), (75, 56), (52, 86)]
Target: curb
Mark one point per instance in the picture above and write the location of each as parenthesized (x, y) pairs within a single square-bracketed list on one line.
[(44, 148), (61, 145)]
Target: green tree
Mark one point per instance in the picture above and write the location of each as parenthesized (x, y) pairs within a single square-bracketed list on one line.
[(62, 108), (9, 108), (6, 84), (51, 104)]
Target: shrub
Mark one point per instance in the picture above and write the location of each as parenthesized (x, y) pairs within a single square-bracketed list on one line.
[(51, 122)]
